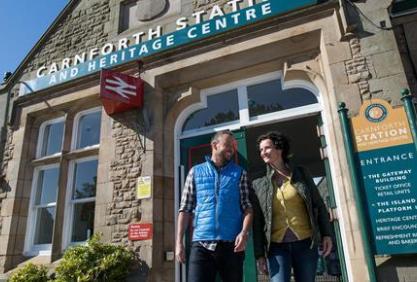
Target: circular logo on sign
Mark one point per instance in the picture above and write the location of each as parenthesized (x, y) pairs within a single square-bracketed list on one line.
[(376, 112)]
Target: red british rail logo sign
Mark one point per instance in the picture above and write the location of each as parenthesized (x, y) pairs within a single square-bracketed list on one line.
[(120, 92)]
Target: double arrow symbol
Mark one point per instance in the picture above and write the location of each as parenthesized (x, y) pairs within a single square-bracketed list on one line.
[(120, 87)]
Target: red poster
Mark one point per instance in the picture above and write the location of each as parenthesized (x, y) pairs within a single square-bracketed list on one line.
[(140, 231), (120, 92)]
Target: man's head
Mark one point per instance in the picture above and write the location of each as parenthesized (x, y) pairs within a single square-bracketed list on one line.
[(223, 146)]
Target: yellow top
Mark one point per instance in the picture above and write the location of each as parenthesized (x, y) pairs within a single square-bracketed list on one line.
[(289, 211)]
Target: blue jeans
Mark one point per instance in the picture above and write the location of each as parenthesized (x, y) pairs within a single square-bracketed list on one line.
[(297, 255), (205, 264)]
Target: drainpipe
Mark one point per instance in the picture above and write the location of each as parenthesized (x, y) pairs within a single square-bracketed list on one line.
[(360, 207), (411, 114)]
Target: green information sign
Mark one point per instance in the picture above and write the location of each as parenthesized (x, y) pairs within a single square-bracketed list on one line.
[(387, 161), (390, 183)]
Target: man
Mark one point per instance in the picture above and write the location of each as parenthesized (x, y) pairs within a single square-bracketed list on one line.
[(217, 192)]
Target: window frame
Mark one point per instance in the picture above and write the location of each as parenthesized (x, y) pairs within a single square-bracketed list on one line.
[(244, 118), (75, 129), (41, 136), (70, 203), (30, 249)]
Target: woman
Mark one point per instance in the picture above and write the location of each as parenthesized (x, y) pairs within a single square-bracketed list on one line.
[(289, 215)]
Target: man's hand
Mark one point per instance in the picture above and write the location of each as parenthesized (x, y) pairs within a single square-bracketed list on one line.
[(262, 266), (327, 244), (180, 252), (240, 242)]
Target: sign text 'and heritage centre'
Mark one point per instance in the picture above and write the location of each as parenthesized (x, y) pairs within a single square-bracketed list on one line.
[(219, 23)]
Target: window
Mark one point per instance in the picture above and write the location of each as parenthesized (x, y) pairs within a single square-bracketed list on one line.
[(81, 189), (81, 197), (221, 108), (268, 97), (81, 161), (88, 129), (248, 102), (42, 211), (50, 138)]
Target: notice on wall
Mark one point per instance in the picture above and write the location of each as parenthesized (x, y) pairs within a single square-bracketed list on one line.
[(144, 187), (388, 167), (140, 231)]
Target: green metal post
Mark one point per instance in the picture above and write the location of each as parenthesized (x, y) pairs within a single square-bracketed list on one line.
[(347, 138), (411, 114), (332, 205)]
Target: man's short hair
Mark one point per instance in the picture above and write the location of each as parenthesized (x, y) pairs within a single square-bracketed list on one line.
[(217, 136)]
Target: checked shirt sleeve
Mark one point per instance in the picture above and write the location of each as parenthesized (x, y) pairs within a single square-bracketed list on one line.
[(244, 192), (188, 200)]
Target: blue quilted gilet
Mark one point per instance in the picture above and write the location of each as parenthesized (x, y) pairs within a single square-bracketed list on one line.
[(218, 214)]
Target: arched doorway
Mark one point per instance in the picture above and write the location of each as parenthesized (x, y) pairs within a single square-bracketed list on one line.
[(249, 108)]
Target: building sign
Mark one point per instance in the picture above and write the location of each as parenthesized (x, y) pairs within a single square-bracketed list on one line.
[(218, 23), (144, 187), (120, 92), (388, 166), (140, 231)]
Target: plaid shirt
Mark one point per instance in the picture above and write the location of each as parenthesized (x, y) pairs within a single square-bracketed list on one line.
[(188, 199)]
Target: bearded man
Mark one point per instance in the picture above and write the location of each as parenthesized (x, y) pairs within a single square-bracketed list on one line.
[(216, 197)]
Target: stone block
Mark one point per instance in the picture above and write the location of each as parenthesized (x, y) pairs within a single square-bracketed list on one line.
[(360, 272), (169, 235), (103, 169), (169, 212), (21, 225), (105, 232), (6, 225), (5, 242), (19, 245), (338, 72), (146, 210), (387, 64), (338, 52), (100, 215), (379, 42), (23, 206), (7, 207), (145, 253), (389, 87), (158, 209), (11, 187), (350, 95), (376, 15), (25, 187), (104, 193), (371, 5)]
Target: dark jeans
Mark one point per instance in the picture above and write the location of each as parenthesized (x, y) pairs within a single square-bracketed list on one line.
[(205, 264), (299, 255)]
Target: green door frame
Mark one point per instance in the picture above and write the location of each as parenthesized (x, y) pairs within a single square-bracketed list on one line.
[(332, 203), (187, 145)]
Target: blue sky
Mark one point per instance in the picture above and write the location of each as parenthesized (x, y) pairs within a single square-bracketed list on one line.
[(22, 23)]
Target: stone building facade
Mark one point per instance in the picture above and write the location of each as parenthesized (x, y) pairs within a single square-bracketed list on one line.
[(330, 51)]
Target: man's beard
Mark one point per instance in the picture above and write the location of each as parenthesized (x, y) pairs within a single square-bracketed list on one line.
[(226, 156)]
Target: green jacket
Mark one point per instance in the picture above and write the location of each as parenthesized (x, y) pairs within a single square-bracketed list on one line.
[(262, 205)]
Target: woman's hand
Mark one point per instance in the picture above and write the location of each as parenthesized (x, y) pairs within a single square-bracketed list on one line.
[(262, 266), (240, 242), (327, 244)]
